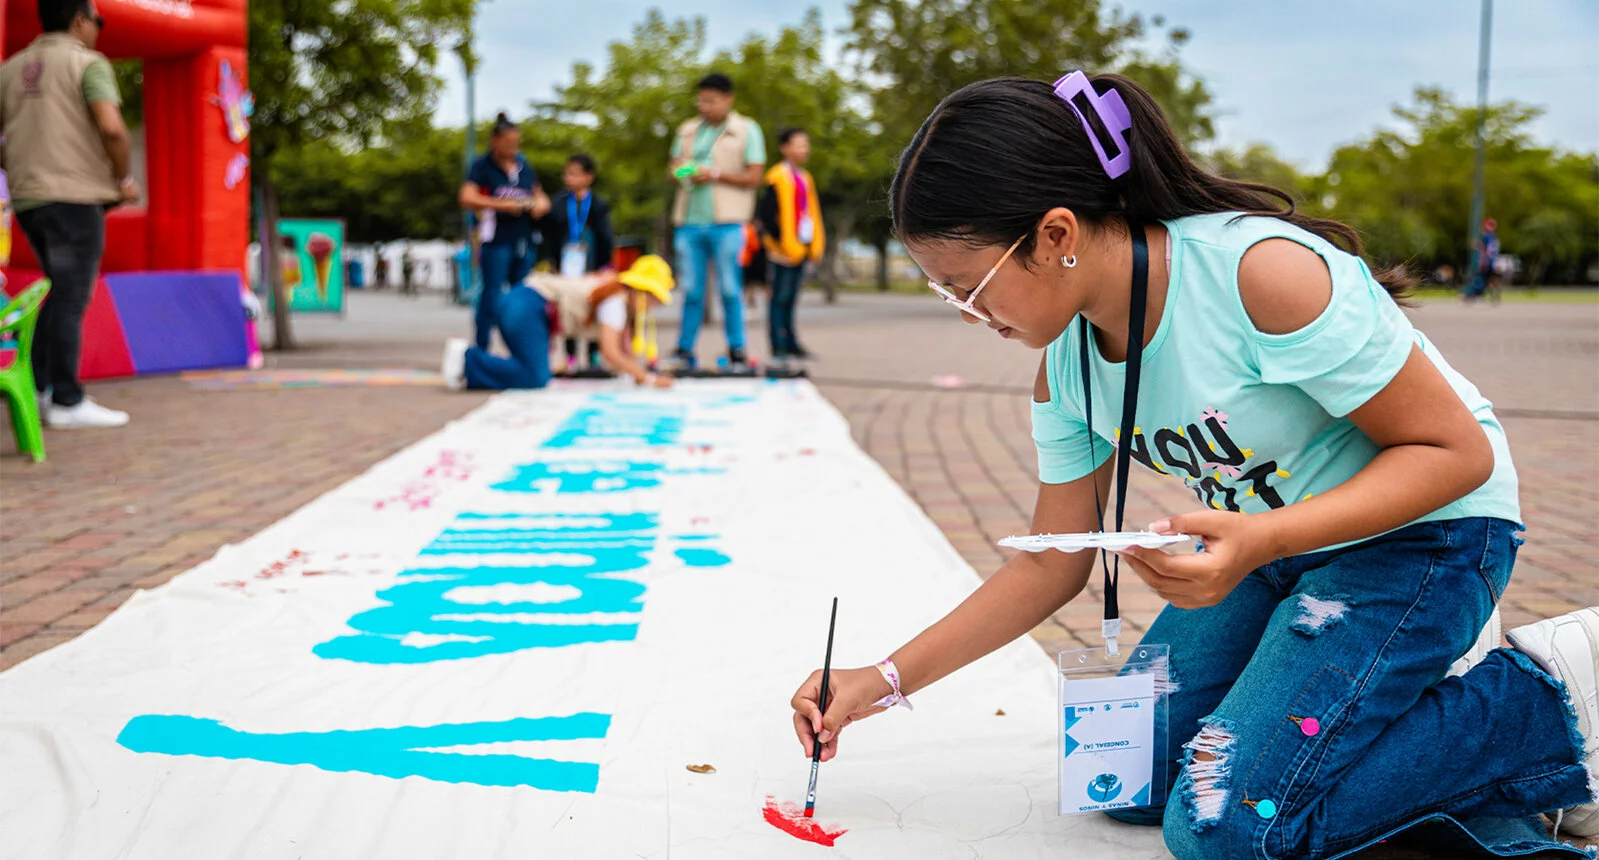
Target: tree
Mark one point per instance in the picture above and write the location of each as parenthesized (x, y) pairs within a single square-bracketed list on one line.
[(630, 112), (916, 52), (1549, 236), (347, 72), (786, 82), (1409, 191), (1257, 162), (403, 188)]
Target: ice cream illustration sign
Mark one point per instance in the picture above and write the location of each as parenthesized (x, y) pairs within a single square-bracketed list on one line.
[(312, 261)]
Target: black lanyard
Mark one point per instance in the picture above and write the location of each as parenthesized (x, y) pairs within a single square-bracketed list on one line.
[(1135, 361)]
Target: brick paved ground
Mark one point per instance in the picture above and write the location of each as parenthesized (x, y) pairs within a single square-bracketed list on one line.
[(114, 511)]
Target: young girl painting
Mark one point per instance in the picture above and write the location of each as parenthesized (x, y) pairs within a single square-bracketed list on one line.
[(1357, 508)]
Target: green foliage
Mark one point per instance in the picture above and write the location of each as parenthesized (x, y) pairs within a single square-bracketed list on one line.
[(346, 71), (130, 85), (625, 117), (404, 189), (1409, 191), (920, 51), (340, 74), (1256, 163)]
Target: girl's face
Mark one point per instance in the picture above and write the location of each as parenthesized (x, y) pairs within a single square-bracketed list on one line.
[(1031, 305)]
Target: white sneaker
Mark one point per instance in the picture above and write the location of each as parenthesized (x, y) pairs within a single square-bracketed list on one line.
[(86, 415), (453, 368), (1487, 640), (1567, 648)]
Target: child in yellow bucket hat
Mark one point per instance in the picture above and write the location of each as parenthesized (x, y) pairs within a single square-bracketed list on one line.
[(611, 308), (625, 305)]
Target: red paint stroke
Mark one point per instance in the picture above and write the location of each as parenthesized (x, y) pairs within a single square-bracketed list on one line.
[(421, 492), (790, 818)]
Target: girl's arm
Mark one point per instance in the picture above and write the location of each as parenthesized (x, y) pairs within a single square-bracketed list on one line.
[(1024, 591), (622, 361), (1433, 453), (1020, 595)]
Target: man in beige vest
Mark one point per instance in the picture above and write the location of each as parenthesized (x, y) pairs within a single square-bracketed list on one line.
[(718, 161), (66, 151)]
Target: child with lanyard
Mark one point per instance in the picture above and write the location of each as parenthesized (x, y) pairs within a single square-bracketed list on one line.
[(577, 235), (1359, 514)]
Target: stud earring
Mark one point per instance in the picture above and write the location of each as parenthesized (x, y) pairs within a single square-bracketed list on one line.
[(1069, 261)]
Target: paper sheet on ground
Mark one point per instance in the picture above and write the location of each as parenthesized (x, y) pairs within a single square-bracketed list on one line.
[(511, 639)]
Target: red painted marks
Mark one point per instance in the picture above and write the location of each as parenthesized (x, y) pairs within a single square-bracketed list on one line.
[(449, 467), (789, 818)]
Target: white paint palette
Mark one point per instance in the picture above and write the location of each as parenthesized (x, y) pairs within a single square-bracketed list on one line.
[(1113, 541)]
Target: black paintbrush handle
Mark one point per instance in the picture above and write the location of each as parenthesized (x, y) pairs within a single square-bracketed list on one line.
[(827, 668)]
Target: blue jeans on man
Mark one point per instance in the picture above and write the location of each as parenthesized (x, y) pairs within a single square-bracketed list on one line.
[(697, 247), (502, 263), (525, 327)]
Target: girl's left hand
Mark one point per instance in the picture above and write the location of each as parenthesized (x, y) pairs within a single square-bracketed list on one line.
[(1235, 544)]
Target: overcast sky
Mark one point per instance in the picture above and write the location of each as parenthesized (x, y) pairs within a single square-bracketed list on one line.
[(1303, 77)]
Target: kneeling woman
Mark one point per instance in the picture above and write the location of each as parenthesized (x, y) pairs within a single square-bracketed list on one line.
[(612, 306)]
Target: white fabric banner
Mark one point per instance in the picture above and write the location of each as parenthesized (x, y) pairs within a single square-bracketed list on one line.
[(514, 637)]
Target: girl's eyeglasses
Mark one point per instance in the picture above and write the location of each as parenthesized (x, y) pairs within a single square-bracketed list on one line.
[(966, 307)]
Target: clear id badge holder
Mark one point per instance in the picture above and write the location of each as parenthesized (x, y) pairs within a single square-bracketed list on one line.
[(1113, 727)]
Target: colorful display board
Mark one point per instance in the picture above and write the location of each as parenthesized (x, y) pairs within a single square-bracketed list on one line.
[(312, 262), (568, 625)]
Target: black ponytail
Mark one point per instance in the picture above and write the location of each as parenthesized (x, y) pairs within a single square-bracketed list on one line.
[(502, 124), (996, 155)]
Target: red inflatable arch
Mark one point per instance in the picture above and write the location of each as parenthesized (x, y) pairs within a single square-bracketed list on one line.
[(167, 264)]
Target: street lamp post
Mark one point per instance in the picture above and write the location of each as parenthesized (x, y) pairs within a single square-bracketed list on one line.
[(469, 278), (1485, 37)]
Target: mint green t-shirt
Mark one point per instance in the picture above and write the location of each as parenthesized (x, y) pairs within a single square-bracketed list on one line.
[(1252, 421), (700, 209)]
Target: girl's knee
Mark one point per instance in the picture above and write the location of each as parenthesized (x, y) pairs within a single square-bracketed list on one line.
[(1204, 812)]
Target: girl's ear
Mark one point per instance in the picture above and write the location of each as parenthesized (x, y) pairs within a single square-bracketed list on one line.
[(1059, 234)]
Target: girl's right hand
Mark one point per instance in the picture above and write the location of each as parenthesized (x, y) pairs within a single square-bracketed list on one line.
[(850, 697)]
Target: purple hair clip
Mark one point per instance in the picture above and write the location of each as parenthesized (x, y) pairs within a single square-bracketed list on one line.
[(1078, 93)]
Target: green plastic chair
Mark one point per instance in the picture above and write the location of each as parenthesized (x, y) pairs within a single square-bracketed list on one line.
[(16, 381)]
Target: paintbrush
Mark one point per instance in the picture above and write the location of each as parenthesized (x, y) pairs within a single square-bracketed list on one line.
[(816, 753)]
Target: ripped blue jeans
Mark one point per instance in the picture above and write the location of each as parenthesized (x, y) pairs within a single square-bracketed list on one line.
[(1313, 718)]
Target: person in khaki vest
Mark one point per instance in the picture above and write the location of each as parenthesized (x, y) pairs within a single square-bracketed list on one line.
[(718, 160), (66, 151)]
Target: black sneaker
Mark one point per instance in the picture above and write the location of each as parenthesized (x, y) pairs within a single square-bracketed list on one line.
[(737, 357), (802, 353), (684, 360)]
